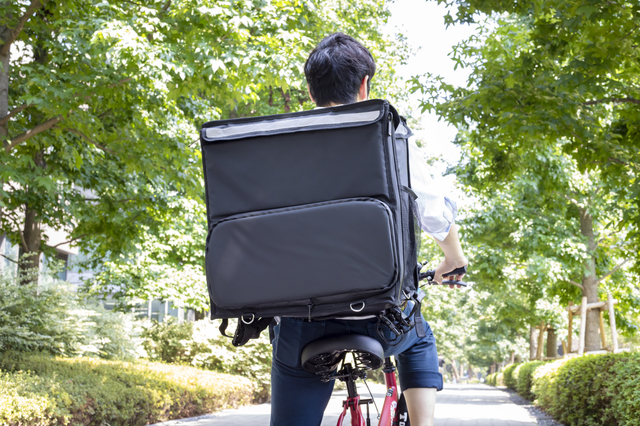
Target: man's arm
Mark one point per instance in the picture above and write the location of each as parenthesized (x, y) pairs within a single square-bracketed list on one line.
[(453, 256)]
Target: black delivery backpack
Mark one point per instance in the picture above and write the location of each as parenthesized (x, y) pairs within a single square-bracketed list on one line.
[(311, 215)]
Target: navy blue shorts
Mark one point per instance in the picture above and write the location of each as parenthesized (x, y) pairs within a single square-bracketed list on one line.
[(300, 398)]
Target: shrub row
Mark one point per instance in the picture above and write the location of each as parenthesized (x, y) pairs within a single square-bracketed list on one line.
[(54, 318), (524, 380), (201, 345), (495, 379), (510, 380), (593, 390), (46, 390)]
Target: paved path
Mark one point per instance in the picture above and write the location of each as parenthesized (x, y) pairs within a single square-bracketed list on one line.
[(457, 405), (478, 405)]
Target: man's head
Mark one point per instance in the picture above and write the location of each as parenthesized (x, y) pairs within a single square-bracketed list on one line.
[(339, 71)]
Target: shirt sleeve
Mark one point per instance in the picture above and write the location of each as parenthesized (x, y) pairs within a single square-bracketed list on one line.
[(436, 212)]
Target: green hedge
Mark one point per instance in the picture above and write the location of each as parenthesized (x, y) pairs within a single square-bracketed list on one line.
[(591, 390), (525, 378), (508, 376), (45, 390), (544, 378), (495, 379), (201, 345), (490, 380)]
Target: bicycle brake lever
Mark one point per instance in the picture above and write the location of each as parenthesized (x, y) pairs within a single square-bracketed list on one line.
[(450, 282)]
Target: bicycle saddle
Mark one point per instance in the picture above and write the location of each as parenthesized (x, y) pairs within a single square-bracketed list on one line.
[(323, 356)]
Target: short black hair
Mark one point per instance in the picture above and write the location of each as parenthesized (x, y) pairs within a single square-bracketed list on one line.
[(335, 69)]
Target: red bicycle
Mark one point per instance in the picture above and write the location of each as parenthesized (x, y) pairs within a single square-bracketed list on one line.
[(327, 357)]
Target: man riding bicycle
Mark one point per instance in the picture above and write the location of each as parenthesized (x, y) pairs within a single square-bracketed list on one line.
[(339, 71)]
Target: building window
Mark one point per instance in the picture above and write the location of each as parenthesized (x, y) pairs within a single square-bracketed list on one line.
[(54, 267), (63, 259)]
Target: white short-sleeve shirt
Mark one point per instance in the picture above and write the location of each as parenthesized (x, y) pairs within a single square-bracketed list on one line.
[(436, 212)]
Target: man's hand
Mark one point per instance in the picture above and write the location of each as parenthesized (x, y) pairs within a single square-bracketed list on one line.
[(453, 257), (448, 265)]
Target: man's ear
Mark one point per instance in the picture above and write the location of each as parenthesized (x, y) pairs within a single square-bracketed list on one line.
[(310, 97), (363, 93)]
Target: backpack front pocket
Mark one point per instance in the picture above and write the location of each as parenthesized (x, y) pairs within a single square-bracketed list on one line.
[(287, 256)]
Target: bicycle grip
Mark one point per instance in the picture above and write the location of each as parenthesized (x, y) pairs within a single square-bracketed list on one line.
[(457, 271), (430, 274)]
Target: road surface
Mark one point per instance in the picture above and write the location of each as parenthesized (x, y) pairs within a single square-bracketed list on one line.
[(456, 405)]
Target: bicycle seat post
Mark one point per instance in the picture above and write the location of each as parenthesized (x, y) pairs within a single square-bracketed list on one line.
[(350, 381), (389, 370), (348, 374), (326, 357)]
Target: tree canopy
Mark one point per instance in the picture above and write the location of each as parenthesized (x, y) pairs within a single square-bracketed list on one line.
[(101, 102), (548, 126), (100, 108)]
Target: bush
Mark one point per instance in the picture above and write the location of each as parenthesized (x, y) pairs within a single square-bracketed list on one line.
[(44, 390), (112, 334), (588, 377), (22, 401), (591, 390), (544, 379), (200, 344), (172, 342), (625, 388), (515, 374), (491, 379), (495, 379), (525, 378), (508, 376), (51, 318)]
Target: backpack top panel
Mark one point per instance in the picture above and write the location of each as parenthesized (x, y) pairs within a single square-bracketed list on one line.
[(262, 163)]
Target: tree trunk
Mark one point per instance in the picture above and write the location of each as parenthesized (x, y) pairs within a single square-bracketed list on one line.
[(454, 369), (4, 98), (31, 236), (590, 283), (31, 240), (552, 343), (541, 328), (5, 33), (286, 96), (8, 34), (533, 342)]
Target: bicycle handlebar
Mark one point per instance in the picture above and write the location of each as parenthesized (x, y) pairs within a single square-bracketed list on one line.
[(431, 274)]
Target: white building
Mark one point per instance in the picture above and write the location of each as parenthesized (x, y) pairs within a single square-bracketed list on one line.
[(69, 258)]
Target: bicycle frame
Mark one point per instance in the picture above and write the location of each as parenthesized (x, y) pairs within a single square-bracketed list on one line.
[(389, 413)]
